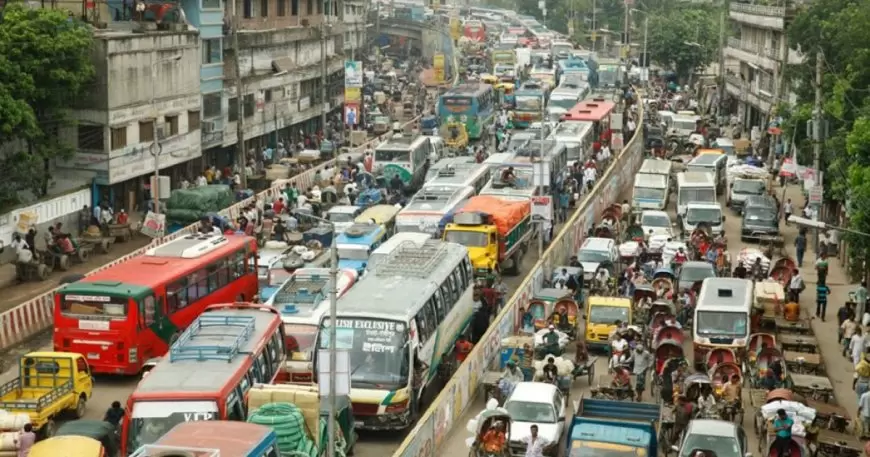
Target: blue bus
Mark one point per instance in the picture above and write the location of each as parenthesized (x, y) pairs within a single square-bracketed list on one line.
[(356, 244), (473, 105)]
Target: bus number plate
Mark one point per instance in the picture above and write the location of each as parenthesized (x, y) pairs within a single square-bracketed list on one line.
[(93, 356)]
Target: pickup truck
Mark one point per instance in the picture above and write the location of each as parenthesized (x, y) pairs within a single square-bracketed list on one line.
[(48, 385), (627, 427), (497, 233)]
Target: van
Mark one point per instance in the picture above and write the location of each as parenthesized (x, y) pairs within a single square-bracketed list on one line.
[(760, 218), (723, 315), (596, 252), (713, 163), (703, 213), (650, 191), (694, 187), (602, 313), (683, 125), (727, 146)]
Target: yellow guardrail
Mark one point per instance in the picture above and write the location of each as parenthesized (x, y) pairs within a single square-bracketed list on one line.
[(437, 421)]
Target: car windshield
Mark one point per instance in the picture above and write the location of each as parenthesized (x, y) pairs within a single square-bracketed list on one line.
[(600, 314), (340, 217), (593, 256), (524, 411), (721, 324), (720, 446), (696, 273), (748, 187), (760, 215), (352, 252), (466, 238), (648, 193), (655, 220), (377, 348), (695, 216)]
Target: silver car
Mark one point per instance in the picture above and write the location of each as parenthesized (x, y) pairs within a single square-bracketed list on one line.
[(721, 438)]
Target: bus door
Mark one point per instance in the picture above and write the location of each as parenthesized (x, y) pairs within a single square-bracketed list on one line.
[(153, 313)]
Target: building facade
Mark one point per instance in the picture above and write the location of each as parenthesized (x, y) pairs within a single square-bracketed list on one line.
[(756, 59)]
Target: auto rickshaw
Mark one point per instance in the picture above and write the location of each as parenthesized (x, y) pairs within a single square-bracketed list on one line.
[(457, 137), (499, 421), (506, 92)]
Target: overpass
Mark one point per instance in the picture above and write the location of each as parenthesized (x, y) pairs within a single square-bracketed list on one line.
[(411, 35)]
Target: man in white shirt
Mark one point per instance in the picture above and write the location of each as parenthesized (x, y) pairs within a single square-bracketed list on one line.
[(23, 254), (589, 176), (796, 286), (301, 200), (535, 444), (856, 346)]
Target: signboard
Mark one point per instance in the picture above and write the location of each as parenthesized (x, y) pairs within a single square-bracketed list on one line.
[(352, 94), (815, 195), (154, 225), (542, 207), (353, 73), (438, 65), (455, 28)]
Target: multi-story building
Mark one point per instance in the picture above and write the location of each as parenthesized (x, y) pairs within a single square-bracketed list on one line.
[(167, 85), (756, 59)]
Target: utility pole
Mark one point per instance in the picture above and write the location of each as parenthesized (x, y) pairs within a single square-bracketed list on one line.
[(241, 161), (543, 224), (324, 66), (721, 91), (817, 131), (594, 29)]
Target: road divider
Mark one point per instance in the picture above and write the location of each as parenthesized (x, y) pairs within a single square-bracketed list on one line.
[(436, 422)]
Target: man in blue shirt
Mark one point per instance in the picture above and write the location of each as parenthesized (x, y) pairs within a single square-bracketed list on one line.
[(822, 292), (782, 426)]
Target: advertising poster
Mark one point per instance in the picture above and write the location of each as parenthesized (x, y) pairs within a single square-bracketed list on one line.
[(352, 95), (351, 114), (438, 65), (353, 73)]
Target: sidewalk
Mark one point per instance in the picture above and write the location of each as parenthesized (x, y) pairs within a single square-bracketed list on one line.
[(838, 368)]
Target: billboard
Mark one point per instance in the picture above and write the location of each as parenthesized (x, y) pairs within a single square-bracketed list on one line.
[(438, 65), (353, 73)]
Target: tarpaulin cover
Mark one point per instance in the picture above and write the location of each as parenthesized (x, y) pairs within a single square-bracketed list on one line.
[(505, 214), (189, 205)]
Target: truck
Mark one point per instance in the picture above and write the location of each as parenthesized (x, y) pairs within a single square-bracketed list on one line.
[(48, 385), (496, 231), (621, 427)]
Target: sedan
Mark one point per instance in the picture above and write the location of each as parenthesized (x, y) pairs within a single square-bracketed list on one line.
[(536, 403), (695, 271), (716, 437)]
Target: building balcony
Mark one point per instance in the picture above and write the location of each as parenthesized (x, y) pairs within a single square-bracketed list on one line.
[(749, 92), (211, 139), (759, 56), (762, 16)]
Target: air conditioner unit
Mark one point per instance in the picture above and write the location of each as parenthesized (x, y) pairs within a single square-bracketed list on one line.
[(208, 126), (161, 131)]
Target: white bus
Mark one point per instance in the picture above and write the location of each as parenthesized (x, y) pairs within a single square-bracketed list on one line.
[(461, 171), (403, 155), (576, 136), (409, 311), (722, 316), (302, 300), (426, 209), (694, 187)]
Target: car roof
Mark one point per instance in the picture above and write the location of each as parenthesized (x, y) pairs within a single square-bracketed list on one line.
[(696, 264), (654, 212), (712, 427), (534, 392)]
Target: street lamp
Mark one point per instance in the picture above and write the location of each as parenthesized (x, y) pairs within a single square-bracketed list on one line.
[(333, 310), (819, 225), (645, 65), (155, 148)]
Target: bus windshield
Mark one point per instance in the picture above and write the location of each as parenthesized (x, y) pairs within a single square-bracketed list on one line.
[(529, 103), (697, 195), (300, 337), (152, 419), (378, 351), (721, 323), (392, 155), (563, 102), (89, 306)]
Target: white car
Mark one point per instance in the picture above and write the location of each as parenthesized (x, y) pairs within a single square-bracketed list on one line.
[(342, 216), (657, 222), (720, 438), (535, 403)]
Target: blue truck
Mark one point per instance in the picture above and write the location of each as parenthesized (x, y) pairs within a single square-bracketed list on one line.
[(608, 428)]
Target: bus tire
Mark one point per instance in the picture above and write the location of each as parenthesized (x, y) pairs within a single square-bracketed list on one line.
[(81, 406)]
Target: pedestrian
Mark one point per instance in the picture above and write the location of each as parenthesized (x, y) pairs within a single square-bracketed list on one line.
[(787, 210), (535, 444), (860, 295), (856, 346), (822, 292), (782, 426), (800, 246), (643, 361), (25, 440), (864, 412), (796, 286)]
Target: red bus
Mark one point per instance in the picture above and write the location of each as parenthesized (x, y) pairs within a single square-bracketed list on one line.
[(597, 111), (126, 314), (474, 30), (207, 373)]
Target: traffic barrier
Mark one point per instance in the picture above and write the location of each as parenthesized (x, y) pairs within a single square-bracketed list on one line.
[(36, 315), (436, 422)]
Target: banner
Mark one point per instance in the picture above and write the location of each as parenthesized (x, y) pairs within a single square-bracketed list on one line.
[(438, 65), (455, 28), (351, 114), (353, 73), (154, 225), (352, 95)]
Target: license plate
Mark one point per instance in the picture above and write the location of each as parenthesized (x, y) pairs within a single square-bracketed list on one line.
[(358, 424), (93, 356)]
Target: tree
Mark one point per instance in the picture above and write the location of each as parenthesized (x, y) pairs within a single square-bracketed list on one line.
[(45, 67), (683, 39)]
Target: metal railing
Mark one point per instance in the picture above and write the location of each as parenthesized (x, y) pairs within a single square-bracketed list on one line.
[(764, 51), (758, 10)]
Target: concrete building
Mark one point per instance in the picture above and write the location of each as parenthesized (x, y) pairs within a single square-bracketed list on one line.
[(145, 102), (756, 59)]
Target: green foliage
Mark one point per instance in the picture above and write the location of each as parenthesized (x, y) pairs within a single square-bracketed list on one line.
[(683, 39), (840, 29), (45, 67)]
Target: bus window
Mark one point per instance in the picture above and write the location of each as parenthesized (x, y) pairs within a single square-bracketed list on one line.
[(235, 408), (177, 295), (150, 310)]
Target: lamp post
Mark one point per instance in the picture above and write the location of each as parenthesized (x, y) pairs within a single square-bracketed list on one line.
[(333, 310), (700, 47), (645, 63), (155, 148)]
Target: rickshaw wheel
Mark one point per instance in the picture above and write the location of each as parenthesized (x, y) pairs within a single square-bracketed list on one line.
[(591, 375)]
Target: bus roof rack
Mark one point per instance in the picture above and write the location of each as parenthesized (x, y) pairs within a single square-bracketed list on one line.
[(155, 450), (183, 349), (302, 290), (411, 259)]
